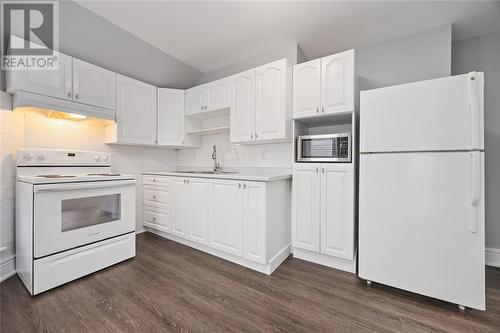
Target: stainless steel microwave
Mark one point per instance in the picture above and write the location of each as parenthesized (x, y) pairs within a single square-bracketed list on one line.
[(324, 148)]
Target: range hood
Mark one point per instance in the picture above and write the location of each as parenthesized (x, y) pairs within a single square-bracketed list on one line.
[(23, 99)]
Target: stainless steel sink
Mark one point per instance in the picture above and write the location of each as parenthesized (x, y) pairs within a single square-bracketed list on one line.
[(208, 172)]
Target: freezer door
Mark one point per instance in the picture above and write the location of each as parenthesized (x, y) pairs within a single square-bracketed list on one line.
[(421, 224), (440, 114)]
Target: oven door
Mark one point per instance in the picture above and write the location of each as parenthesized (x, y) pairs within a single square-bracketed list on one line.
[(69, 215)]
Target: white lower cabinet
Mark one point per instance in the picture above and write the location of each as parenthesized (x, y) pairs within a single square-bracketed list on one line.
[(246, 222), (198, 209), (254, 218), (225, 217), (323, 220)]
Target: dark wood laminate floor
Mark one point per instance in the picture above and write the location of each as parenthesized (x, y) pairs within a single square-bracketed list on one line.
[(169, 287)]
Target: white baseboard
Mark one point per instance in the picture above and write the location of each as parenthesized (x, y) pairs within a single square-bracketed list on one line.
[(492, 257), (321, 259), (263, 268), (140, 231), (7, 268)]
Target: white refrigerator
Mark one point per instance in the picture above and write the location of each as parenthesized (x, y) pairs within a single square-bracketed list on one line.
[(421, 196)]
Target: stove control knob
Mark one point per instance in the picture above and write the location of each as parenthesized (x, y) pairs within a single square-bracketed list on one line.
[(28, 156), (105, 158), (41, 157), (97, 158)]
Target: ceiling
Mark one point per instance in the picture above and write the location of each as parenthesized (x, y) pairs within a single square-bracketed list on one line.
[(209, 35)]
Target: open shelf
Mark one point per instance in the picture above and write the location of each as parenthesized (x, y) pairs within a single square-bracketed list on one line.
[(209, 114), (208, 131)]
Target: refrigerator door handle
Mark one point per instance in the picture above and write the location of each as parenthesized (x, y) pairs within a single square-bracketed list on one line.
[(474, 108), (476, 189)]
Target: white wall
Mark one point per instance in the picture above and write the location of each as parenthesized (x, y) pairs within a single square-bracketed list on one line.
[(483, 54)]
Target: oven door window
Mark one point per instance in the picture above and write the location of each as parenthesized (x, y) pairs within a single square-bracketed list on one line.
[(84, 212), (319, 148)]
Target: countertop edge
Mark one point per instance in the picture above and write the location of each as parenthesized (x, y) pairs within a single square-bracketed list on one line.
[(235, 176)]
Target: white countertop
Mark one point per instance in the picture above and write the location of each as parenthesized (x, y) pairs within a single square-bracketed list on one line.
[(251, 174)]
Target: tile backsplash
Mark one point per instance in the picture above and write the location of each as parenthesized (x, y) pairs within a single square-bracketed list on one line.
[(236, 156)]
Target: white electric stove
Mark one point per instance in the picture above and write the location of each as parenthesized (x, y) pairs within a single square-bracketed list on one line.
[(73, 216)]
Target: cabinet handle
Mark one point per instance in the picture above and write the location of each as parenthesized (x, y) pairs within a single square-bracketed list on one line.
[(76, 96), (317, 109), (317, 170), (251, 136), (323, 109), (239, 185), (154, 196), (69, 93), (154, 180), (323, 170), (255, 135), (244, 186), (182, 141), (184, 180), (187, 180), (154, 219)]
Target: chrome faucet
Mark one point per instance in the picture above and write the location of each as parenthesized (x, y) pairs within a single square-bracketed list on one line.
[(214, 157)]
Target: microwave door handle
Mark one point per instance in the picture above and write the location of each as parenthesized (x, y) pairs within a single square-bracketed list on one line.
[(81, 186)]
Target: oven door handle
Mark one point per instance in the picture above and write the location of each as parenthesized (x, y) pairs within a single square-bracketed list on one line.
[(82, 186)]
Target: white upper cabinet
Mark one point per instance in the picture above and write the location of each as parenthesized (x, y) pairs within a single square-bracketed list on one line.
[(217, 95), (259, 104), (225, 218), (324, 86), (135, 111), (306, 206), (171, 118), (195, 100), (337, 82), (93, 85), (271, 104), (306, 88), (242, 104), (337, 210), (54, 83), (208, 97)]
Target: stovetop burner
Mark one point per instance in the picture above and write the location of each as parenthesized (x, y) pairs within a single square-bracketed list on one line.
[(55, 176), (104, 174)]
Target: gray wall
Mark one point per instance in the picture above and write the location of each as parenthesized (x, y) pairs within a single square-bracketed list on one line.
[(87, 36), (291, 51), (420, 56), (483, 54)]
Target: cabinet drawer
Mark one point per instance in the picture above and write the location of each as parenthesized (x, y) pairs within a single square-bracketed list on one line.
[(156, 219), (156, 180), (156, 197)]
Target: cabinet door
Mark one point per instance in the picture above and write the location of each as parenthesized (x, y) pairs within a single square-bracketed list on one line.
[(171, 118), (198, 210), (225, 216), (54, 83), (306, 89), (271, 106), (254, 221), (93, 85), (195, 99), (180, 207), (306, 203), (135, 111), (217, 95), (337, 82), (337, 210), (242, 103)]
